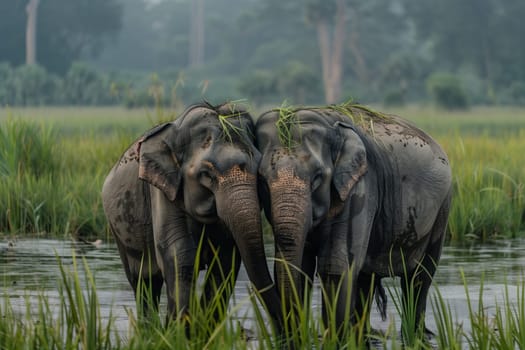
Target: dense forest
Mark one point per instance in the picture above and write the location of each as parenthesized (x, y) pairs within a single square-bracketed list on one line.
[(136, 52)]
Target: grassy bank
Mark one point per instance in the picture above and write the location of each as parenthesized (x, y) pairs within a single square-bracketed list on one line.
[(53, 162)]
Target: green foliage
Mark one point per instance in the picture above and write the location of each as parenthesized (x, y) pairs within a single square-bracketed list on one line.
[(515, 94), (447, 91), (31, 85), (66, 31), (26, 149), (51, 185), (34, 85), (259, 86), (83, 85), (298, 83), (489, 196), (394, 98), (468, 34), (392, 46)]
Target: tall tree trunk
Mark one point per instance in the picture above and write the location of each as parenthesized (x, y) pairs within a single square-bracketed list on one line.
[(323, 36), (32, 12), (338, 49), (197, 33), (360, 67), (332, 49)]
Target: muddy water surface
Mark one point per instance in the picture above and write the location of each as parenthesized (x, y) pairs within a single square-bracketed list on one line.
[(30, 268)]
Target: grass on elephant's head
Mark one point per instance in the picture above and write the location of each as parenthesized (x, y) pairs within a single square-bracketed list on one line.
[(229, 129), (360, 114), (285, 125)]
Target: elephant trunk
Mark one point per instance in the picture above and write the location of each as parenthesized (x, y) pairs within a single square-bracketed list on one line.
[(238, 207), (291, 221)]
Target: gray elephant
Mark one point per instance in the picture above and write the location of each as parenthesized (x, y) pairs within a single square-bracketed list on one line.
[(345, 186), (181, 180)]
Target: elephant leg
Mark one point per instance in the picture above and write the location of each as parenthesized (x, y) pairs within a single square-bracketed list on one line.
[(221, 276), (336, 302), (418, 282), (365, 284), (144, 277), (175, 251), (335, 274)]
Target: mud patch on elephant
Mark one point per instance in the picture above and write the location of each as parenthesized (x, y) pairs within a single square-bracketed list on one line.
[(278, 155), (409, 235), (131, 156), (207, 142), (443, 160), (127, 208)]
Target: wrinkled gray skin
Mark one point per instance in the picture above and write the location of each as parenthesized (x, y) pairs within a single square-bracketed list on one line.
[(173, 181), (369, 197)]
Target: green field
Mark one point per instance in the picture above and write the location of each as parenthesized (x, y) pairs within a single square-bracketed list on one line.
[(54, 160)]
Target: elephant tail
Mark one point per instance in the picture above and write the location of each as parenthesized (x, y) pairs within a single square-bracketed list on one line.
[(381, 299)]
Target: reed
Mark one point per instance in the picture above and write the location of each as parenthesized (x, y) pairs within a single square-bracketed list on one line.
[(75, 322), (489, 186), (450, 333)]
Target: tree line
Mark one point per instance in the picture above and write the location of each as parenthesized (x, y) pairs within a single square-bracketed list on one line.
[(306, 51)]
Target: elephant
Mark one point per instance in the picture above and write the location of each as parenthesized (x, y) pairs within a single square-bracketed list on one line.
[(184, 182), (354, 196)]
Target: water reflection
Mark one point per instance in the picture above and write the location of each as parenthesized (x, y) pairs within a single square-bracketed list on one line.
[(30, 268)]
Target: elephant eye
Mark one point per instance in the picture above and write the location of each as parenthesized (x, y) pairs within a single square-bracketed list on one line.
[(317, 180), (205, 178)]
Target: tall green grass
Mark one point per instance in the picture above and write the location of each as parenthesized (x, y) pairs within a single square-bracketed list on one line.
[(489, 186), (52, 168), (51, 184)]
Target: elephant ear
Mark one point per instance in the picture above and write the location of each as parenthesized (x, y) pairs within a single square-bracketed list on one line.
[(158, 164), (350, 159)]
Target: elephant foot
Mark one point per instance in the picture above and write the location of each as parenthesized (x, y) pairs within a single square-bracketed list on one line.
[(248, 335), (429, 334)]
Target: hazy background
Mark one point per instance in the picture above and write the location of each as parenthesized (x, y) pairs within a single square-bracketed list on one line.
[(454, 53)]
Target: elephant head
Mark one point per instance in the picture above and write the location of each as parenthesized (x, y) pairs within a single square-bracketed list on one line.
[(310, 164), (206, 163)]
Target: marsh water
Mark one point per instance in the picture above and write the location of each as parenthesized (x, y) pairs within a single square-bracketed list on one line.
[(30, 268)]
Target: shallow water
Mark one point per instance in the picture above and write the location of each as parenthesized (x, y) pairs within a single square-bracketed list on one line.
[(30, 268)]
